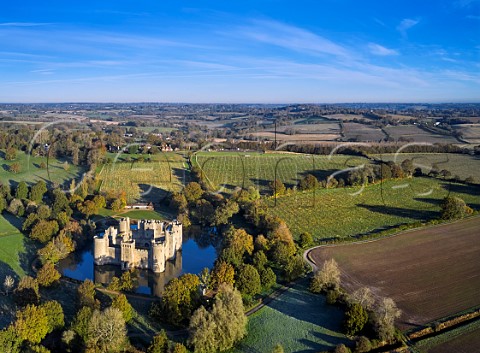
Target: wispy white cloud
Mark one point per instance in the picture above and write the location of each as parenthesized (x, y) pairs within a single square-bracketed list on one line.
[(406, 24), (377, 49), (293, 38), (23, 24), (43, 72), (465, 3)]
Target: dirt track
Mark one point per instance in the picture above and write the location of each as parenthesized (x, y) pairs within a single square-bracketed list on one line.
[(430, 273)]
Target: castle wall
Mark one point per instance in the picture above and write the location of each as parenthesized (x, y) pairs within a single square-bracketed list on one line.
[(148, 247), (141, 258)]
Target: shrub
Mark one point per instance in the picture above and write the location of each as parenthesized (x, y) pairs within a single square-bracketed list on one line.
[(363, 345), (248, 280), (332, 296), (341, 348), (121, 303), (453, 208), (267, 278), (306, 240), (27, 291), (355, 319)]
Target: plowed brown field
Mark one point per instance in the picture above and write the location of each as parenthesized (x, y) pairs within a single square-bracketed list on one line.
[(430, 273)]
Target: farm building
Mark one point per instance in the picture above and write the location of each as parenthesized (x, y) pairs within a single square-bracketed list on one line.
[(140, 206)]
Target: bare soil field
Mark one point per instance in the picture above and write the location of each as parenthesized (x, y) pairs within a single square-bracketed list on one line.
[(361, 132), (430, 273), (417, 134)]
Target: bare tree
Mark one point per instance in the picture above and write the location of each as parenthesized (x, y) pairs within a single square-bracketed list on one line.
[(364, 297), (326, 278), (107, 331), (385, 315), (8, 284)]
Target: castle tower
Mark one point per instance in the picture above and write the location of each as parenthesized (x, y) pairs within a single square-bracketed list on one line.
[(177, 235), (127, 254), (158, 257), (100, 249), (124, 225)]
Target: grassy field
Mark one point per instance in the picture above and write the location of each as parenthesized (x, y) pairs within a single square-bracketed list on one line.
[(431, 273), (11, 248), (31, 171), (347, 212), (227, 170), (465, 339), (143, 179), (298, 320), (462, 165)]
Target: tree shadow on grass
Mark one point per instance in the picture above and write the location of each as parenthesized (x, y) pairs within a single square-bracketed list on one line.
[(330, 342), (435, 202), (300, 304), (401, 212), (159, 197), (472, 190), (7, 306)]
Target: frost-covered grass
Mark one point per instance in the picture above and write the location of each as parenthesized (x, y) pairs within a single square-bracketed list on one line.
[(298, 320)]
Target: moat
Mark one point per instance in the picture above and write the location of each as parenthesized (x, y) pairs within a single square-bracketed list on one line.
[(195, 255)]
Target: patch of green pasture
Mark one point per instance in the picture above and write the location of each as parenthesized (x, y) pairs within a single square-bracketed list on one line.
[(11, 246), (298, 320), (143, 214), (346, 212), (31, 171)]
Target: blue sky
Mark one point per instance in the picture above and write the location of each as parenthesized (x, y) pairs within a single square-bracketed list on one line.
[(268, 51)]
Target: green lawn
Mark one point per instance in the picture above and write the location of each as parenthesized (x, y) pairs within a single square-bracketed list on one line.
[(31, 171), (11, 248), (346, 212), (298, 320)]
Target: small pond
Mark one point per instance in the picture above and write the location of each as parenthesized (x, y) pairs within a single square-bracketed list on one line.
[(196, 254)]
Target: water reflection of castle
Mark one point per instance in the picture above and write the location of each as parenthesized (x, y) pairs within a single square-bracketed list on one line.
[(149, 282)]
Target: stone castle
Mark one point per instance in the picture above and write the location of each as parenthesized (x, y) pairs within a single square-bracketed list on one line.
[(146, 245)]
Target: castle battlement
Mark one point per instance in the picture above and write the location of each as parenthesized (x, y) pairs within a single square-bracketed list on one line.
[(147, 244)]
